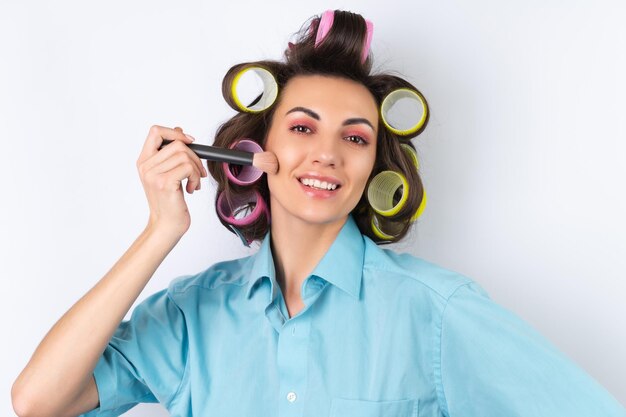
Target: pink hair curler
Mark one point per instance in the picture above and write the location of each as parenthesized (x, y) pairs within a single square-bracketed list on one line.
[(243, 174), (368, 40), (243, 209), (326, 22)]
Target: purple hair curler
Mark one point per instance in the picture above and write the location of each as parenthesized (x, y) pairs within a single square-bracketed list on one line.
[(243, 174)]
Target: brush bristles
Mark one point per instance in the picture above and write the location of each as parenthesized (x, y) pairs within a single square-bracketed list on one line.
[(266, 162)]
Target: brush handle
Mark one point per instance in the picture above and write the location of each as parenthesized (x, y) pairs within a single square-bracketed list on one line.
[(213, 153)]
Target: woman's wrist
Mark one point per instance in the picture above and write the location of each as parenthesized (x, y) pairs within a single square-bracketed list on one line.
[(165, 232), (173, 230)]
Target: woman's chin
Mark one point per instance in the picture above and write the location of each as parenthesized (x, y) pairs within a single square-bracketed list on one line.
[(320, 217)]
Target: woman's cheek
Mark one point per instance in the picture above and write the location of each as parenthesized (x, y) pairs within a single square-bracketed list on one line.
[(289, 155)]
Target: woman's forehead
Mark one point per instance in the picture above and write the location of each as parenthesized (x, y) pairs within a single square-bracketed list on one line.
[(330, 93)]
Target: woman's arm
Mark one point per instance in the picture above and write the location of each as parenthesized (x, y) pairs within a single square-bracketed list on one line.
[(58, 377), (58, 380), (492, 363)]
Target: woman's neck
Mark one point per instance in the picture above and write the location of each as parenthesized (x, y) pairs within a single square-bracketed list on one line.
[(297, 248)]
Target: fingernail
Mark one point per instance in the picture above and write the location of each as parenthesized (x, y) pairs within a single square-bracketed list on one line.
[(191, 138)]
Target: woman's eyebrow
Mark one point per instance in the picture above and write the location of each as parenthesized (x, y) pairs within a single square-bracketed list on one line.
[(352, 121)]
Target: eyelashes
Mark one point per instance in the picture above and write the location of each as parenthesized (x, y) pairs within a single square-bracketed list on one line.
[(300, 129), (295, 128)]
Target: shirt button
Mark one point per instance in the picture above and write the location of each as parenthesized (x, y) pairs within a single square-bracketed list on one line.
[(291, 397)]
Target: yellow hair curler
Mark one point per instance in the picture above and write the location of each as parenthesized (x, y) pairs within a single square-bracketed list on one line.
[(268, 95), (412, 153), (421, 208), (382, 190), (379, 233), (417, 119)]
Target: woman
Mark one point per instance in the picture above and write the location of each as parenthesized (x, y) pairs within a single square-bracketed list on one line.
[(320, 321)]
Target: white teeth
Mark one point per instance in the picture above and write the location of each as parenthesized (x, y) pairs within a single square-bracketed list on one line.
[(323, 185)]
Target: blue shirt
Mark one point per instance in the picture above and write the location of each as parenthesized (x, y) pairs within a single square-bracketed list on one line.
[(381, 334)]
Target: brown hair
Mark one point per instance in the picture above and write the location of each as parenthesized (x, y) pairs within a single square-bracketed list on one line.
[(339, 54)]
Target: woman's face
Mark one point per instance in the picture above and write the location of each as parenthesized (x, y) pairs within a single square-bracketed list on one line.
[(324, 134)]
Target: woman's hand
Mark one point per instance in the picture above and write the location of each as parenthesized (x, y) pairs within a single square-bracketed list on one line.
[(162, 172), (95, 317)]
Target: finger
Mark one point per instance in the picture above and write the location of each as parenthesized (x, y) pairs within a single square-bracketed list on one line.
[(173, 178), (170, 165), (168, 151), (156, 134)]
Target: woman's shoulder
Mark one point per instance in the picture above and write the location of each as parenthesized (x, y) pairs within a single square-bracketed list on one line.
[(430, 276), (224, 273)]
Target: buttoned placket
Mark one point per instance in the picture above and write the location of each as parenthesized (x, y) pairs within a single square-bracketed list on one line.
[(292, 348)]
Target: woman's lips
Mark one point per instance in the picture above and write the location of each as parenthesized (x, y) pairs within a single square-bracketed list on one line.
[(318, 193)]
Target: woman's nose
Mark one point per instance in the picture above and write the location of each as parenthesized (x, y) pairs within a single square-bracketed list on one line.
[(326, 152)]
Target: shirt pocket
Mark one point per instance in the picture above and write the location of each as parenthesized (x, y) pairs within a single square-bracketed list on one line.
[(342, 407)]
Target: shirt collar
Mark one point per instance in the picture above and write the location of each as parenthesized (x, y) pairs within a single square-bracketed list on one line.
[(342, 265)]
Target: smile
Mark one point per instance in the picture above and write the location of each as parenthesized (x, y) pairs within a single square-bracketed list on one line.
[(317, 184)]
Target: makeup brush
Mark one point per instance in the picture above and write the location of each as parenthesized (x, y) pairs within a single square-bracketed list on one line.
[(265, 161)]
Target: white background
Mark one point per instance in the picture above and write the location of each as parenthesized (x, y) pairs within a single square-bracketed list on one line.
[(522, 159)]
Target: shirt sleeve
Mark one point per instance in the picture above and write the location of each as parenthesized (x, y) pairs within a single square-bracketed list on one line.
[(145, 359), (493, 364)]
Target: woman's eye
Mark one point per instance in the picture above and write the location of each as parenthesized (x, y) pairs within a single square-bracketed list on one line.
[(300, 129), (305, 130), (357, 139)]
